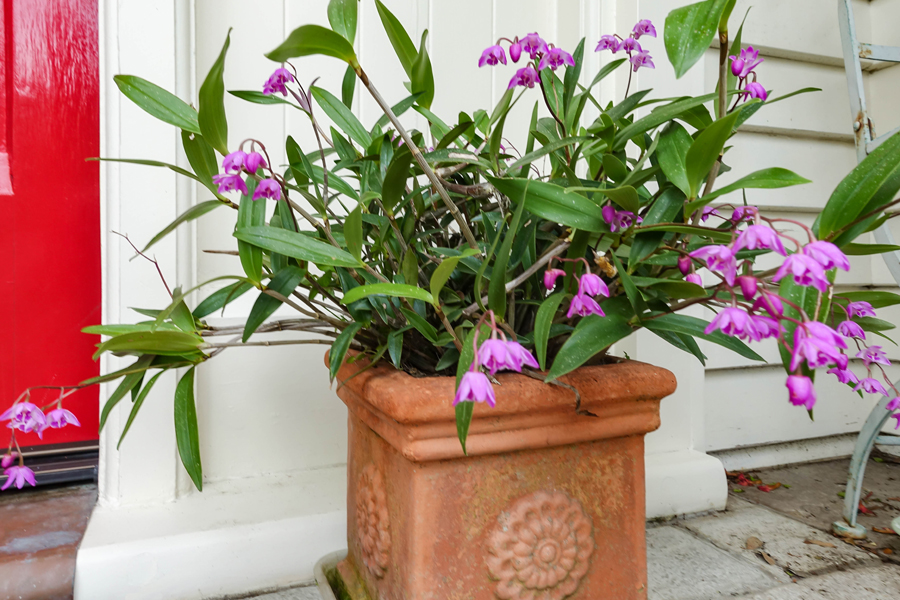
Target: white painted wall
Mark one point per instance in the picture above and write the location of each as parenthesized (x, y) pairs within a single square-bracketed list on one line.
[(273, 435)]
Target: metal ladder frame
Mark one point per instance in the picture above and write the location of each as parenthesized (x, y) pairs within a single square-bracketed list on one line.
[(866, 141)]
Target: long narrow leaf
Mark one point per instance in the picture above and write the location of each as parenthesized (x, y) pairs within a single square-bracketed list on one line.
[(186, 435)]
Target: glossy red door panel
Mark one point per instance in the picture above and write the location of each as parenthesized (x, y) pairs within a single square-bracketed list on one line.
[(50, 215)]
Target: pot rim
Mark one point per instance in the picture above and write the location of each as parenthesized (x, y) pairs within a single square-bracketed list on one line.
[(417, 418)]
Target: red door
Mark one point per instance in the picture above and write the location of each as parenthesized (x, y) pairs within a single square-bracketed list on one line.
[(50, 216)]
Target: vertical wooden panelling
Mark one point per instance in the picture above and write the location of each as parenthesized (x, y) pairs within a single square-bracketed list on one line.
[(253, 34)]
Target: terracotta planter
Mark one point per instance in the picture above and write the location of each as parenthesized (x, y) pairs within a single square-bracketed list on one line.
[(548, 505)]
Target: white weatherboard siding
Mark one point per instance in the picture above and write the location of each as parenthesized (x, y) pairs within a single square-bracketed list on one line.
[(273, 435)]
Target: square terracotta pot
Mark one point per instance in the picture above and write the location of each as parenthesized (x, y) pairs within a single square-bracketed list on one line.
[(549, 503)]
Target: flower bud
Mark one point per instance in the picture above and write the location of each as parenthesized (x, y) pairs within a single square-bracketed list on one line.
[(748, 285), (550, 277), (515, 51), (684, 265), (737, 66), (694, 278), (8, 459)]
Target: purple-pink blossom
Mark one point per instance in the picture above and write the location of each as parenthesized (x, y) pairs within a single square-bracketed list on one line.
[(234, 162), (759, 236), (733, 322), (806, 271), (592, 285), (643, 27), (631, 45), (25, 417), (550, 277), (474, 387), (228, 183), (801, 391), (253, 161), (492, 55), (873, 354), (619, 220), (707, 212), (844, 375), (494, 356), (771, 303), (641, 59), (583, 306), (534, 44), (894, 404), (824, 332), (827, 254), (765, 327), (819, 345), (556, 58), (60, 417), (608, 42), (526, 77), (870, 385), (860, 309), (267, 188), (744, 213), (743, 65), (18, 475), (520, 356), (755, 90), (719, 259), (851, 330), (277, 82)]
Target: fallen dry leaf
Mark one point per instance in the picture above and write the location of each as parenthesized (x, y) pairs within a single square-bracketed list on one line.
[(753, 543), (888, 551), (767, 558), (886, 530), (819, 543)]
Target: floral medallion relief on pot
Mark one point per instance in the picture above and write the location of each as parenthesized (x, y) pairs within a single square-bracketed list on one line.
[(373, 521), (540, 548)]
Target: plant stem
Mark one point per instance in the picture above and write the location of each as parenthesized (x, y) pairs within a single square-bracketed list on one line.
[(511, 285), (272, 343), (420, 160), (723, 104), (449, 328), (547, 103), (723, 72)]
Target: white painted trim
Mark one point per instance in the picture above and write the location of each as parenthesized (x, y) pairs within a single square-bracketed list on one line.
[(229, 540), (774, 455), (185, 190), (108, 471), (684, 482)]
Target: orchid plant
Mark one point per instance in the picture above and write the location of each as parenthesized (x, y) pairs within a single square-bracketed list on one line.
[(450, 251)]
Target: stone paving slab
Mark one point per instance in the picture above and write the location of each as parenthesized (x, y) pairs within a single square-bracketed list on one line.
[(39, 537), (814, 495), (682, 567), (783, 540), (873, 583)]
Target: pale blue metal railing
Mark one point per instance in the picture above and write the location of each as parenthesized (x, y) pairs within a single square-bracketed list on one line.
[(866, 141)]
